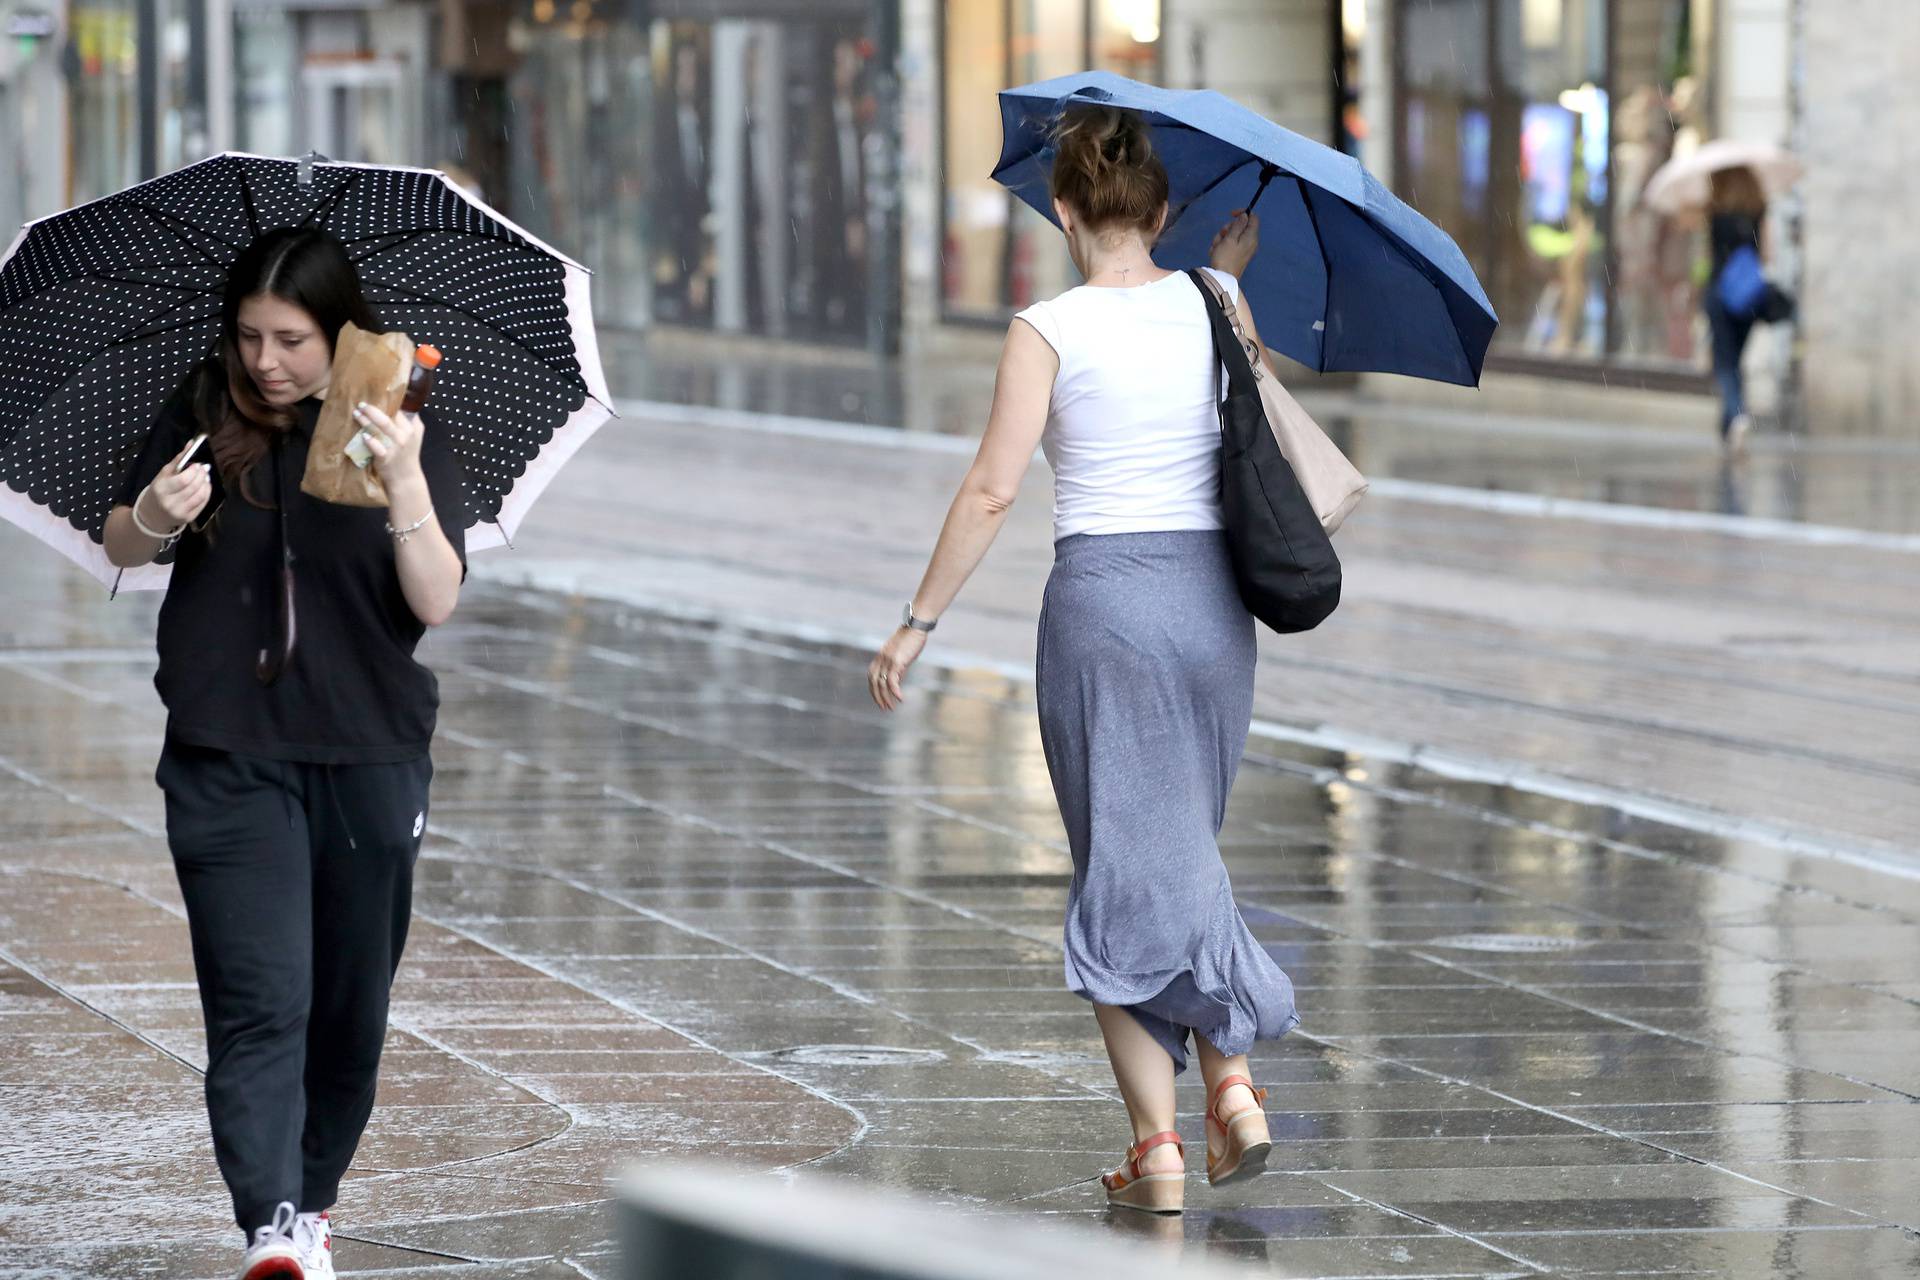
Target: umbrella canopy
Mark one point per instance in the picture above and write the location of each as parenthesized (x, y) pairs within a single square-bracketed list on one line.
[(106, 308), (1348, 277), (1686, 182)]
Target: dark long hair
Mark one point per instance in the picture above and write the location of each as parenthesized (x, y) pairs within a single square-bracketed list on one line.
[(301, 265)]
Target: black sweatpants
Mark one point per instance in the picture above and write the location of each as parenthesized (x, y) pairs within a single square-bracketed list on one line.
[(298, 880)]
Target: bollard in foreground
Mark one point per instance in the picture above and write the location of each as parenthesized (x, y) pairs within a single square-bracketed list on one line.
[(699, 1222)]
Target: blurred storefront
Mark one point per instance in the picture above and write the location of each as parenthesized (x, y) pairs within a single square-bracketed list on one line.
[(727, 165), (1524, 128), (998, 255), (818, 171)]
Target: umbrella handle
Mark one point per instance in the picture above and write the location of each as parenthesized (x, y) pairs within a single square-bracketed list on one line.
[(1267, 174)]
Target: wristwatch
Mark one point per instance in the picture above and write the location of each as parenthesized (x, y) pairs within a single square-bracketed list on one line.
[(918, 624)]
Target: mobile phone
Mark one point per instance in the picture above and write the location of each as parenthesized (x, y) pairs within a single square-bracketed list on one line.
[(186, 456)]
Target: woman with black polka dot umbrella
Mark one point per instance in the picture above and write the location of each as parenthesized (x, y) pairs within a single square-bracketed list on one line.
[(106, 308)]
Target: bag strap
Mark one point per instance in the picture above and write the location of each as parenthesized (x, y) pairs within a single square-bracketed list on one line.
[(1232, 312), (1227, 345)]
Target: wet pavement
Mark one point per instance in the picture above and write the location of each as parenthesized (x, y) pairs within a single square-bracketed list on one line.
[(685, 893), (1810, 477), (1759, 683)]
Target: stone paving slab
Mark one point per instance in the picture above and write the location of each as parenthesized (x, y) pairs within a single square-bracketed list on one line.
[(1696, 1060), (1761, 681)]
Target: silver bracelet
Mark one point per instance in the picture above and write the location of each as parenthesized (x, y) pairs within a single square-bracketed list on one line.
[(401, 535), (164, 539)]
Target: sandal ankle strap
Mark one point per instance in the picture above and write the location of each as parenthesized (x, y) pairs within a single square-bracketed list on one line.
[(1145, 1145), (1220, 1090), (1114, 1181)]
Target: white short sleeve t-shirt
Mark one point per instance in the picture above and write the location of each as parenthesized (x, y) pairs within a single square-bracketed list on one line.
[(1133, 432)]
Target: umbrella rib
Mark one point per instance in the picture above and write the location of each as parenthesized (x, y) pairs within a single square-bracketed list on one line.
[(246, 202), (118, 342), (1425, 270), (179, 226), (144, 334), (403, 237), (416, 296), (1189, 202), (1326, 268), (326, 205), (155, 284)]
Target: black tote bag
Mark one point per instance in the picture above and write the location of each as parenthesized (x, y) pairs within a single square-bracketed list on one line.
[(1283, 560)]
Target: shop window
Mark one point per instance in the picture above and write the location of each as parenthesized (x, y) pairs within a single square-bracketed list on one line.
[(998, 255), (1661, 111), (1527, 130)]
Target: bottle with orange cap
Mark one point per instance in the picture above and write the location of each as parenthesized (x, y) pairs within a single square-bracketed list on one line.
[(426, 363)]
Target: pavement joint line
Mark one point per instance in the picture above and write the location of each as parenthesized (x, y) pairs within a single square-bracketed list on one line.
[(1465, 767), (1707, 1231), (23, 774), (802, 768), (1494, 818), (1647, 1028), (1445, 762), (1565, 1116), (1706, 736), (1397, 1212), (1491, 501), (1550, 996), (628, 903), (540, 1095), (9, 957), (97, 697), (1308, 922), (78, 656), (627, 1006), (1597, 918), (1595, 656), (785, 851)]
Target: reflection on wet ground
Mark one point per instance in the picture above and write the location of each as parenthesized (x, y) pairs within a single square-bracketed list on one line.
[(685, 893), (1851, 482)]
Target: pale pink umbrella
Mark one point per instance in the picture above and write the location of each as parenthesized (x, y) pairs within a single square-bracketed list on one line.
[(1685, 182)]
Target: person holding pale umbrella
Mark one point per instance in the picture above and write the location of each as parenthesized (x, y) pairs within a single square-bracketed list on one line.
[(181, 339), (1730, 183), (1146, 648)]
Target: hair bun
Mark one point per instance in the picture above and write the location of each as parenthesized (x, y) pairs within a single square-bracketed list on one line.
[(1105, 167)]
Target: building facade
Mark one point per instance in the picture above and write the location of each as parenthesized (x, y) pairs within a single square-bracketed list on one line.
[(817, 171)]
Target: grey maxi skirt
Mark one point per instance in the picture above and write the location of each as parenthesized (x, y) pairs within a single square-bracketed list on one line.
[(1145, 684)]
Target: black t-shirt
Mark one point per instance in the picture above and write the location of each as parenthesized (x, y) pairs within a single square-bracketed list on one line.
[(352, 693), (1727, 232)]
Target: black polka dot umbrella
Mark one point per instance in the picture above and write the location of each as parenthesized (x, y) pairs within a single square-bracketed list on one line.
[(106, 308)]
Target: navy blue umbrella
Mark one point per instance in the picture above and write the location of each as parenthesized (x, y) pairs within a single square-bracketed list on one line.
[(1348, 277)]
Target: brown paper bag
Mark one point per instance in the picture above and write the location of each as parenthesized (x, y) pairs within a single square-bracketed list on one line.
[(370, 367)]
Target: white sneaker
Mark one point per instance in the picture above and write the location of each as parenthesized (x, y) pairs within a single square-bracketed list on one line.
[(313, 1236), (273, 1255), (1737, 432)]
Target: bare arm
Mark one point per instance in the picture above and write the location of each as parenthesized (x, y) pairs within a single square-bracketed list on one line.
[(429, 567), (1245, 309), (1022, 391), (1233, 249), (174, 498)]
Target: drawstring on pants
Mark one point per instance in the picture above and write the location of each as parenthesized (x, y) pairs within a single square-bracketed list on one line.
[(339, 810), (333, 798)]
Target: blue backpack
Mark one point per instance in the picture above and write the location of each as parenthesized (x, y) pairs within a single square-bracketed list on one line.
[(1742, 287)]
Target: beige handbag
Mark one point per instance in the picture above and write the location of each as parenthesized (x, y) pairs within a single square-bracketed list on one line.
[(1332, 484), (370, 367)]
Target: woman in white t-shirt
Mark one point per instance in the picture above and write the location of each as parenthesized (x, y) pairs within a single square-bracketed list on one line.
[(1146, 653)]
